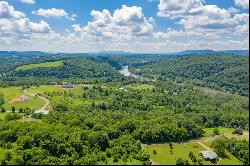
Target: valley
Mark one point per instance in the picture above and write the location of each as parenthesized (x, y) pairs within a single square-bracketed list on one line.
[(106, 114)]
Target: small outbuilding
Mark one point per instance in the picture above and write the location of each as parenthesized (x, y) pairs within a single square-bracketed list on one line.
[(24, 98), (238, 131), (53, 83), (209, 156)]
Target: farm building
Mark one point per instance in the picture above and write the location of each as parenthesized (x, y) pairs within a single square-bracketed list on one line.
[(53, 83), (238, 131), (209, 156), (67, 85), (24, 98)]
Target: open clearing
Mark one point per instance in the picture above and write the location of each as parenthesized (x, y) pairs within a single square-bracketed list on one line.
[(164, 157), (227, 132), (139, 86), (13, 93), (40, 65)]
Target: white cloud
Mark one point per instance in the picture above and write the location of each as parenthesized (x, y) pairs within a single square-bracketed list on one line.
[(125, 23), (211, 18), (41, 27), (53, 12), (7, 11), (76, 27), (16, 28), (242, 3), (29, 1), (127, 28), (177, 8)]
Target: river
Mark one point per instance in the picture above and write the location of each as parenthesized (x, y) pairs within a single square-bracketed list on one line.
[(124, 71)]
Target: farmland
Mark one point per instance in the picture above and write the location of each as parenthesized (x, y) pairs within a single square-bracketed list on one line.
[(40, 65)]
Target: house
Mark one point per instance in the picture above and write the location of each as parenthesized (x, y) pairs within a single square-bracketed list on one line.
[(209, 156), (24, 98), (175, 94), (67, 85), (238, 131), (53, 83), (123, 89)]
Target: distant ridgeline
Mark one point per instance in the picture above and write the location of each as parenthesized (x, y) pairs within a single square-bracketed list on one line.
[(224, 72)]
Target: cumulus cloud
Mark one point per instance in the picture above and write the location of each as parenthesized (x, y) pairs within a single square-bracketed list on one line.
[(32, 2), (16, 28), (7, 11), (127, 28), (125, 23), (53, 12), (178, 8), (242, 3)]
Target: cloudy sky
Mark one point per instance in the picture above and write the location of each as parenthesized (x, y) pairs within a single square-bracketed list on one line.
[(128, 25)]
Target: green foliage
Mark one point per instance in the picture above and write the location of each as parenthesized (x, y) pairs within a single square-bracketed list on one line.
[(12, 116), (1, 99), (216, 131), (217, 71)]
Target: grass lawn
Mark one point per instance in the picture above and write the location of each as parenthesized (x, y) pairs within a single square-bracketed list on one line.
[(2, 115), (139, 87), (227, 132), (164, 157), (40, 65), (46, 88), (241, 99), (15, 92), (120, 162)]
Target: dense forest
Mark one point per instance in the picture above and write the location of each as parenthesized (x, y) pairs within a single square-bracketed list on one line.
[(218, 71)]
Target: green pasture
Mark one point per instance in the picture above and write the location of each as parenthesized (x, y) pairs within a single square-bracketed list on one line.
[(41, 65)]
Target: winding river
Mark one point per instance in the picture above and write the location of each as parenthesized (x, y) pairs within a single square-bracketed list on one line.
[(124, 71)]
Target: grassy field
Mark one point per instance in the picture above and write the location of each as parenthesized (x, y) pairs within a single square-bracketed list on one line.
[(221, 93), (15, 92), (227, 132), (40, 65), (2, 115), (139, 86), (164, 157)]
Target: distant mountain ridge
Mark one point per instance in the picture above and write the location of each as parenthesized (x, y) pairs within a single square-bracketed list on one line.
[(186, 52), (234, 52)]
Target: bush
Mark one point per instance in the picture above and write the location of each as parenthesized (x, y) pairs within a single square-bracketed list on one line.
[(14, 116), (154, 151), (216, 131)]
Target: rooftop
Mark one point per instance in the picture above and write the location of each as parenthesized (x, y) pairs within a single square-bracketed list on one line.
[(209, 155)]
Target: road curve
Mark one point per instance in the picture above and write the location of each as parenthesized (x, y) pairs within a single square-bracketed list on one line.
[(44, 109)]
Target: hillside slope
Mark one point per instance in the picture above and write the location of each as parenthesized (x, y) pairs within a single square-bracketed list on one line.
[(218, 71)]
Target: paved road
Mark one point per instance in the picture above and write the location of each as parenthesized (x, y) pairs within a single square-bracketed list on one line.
[(44, 109)]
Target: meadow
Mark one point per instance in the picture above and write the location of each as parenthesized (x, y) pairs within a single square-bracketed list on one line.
[(181, 150), (40, 65), (140, 86), (12, 93)]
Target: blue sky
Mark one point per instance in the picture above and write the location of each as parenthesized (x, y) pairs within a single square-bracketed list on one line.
[(129, 25)]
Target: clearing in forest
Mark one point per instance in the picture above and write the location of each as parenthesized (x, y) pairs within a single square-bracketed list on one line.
[(164, 156), (40, 65)]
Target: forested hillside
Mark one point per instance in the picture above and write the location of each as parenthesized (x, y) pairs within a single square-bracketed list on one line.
[(75, 69), (219, 71)]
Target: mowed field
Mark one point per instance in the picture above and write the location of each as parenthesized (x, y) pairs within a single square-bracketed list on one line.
[(164, 156), (227, 132), (181, 150), (12, 99), (139, 87), (40, 65)]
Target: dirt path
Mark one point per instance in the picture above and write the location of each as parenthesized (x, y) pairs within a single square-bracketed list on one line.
[(44, 109), (204, 146), (152, 161)]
